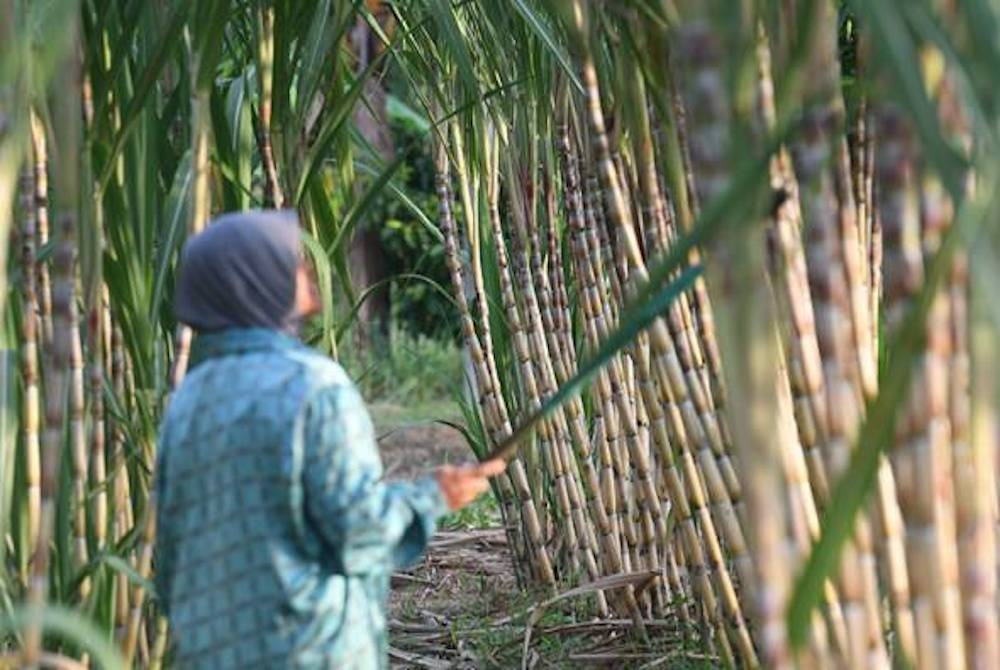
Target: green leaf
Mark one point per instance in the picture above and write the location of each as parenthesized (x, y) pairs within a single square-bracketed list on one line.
[(407, 202), (70, 624), (362, 205), (137, 102), (399, 111), (349, 319), (334, 123), (325, 285), (175, 215), (544, 33), (321, 204)]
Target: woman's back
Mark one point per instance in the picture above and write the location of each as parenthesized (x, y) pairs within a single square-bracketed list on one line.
[(248, 582)]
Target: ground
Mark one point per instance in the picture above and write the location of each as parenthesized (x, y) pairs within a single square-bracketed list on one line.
[(467, 574), (461, 607)]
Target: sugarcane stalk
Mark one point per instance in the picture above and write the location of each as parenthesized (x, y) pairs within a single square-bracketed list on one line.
[(98, 438), (530, 384), (66, 125), (536, 346), (273, 194), (40, 155), (789, 274), (199, 209), (698, 422), (978, 513), (628, 453), (144, 565), (704, 570), (78, 446), (602, 501), (94, 381), (743, 309), (497, 418), (689, 209), (159, 651), (542, 358), (553, 433), (472, 229), (665, 366), (832, 250), (917, 458), (484, 346), (551, 310), (679, 316), (122, 520), (612, 519), (58, 355), (30, 407), (598, 315)]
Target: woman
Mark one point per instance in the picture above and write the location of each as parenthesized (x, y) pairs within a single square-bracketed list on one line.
[(276, 533)]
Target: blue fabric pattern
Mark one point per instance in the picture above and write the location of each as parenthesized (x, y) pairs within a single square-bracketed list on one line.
[(276, 532)]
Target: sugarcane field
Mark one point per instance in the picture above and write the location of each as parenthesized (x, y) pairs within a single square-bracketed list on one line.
[(455, 334)]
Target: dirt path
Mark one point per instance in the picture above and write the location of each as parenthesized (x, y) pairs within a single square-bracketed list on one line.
[(414, 449), (460, 608), (465, 578)]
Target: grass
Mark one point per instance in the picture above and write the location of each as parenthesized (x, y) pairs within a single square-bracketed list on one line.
[(487, 623), (416, 372), (481, 514), (395, 415)]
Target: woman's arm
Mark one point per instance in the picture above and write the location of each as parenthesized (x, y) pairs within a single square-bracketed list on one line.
[(366, 520)]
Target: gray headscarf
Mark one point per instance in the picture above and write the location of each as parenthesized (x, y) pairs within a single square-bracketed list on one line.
[(240, 273)]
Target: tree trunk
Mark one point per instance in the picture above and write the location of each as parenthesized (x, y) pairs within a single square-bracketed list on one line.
[(368, 264)]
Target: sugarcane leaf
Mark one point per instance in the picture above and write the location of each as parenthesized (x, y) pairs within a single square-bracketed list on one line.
[(321, 38), (117, 564), (452, 37), (544, 32), (362, 205), (175, 216), (349, 319), (397, 110), (478, 100), (407, 202), (208, 23), (166, 43), (68, 624), (325, 284), (324, 213), (8, 432), (334, 122)]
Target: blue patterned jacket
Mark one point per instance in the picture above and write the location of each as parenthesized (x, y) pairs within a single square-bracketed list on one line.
[(276, 533)]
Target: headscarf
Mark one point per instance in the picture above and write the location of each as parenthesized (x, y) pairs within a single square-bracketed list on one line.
[(240, 272)]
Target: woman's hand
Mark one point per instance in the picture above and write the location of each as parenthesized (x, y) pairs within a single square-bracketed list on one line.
[(463, 484)]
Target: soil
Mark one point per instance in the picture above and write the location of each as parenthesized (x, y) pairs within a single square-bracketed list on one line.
[(465, 578), (461, 607), (415, 449)]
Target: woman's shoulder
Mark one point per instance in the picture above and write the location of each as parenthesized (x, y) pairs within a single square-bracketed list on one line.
[(320, 370)]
